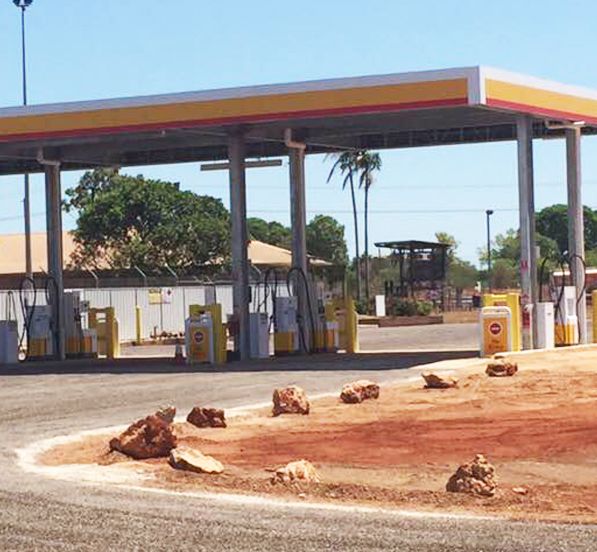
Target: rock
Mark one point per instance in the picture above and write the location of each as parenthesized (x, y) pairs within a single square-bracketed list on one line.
[(297, 471), (189, 459), (150, 437), (520, 490), (358, 391), (290, 400), (206, 417), (501, 368), (166, 413), (433, 381), (478, 478)]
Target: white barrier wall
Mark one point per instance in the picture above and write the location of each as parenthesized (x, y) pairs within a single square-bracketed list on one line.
[(167, 316)]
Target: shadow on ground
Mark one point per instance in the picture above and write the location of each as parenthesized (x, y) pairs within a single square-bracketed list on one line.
[(320, 362)]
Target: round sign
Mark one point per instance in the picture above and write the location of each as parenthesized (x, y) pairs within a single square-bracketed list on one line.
[(495, 328), (198, 338)]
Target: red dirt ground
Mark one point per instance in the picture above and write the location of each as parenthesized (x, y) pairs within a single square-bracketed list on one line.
[(539, 428)]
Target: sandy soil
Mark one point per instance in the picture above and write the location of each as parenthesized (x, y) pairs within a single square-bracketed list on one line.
[(539, 428)]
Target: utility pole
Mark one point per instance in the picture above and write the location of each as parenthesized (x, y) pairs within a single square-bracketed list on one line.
[(23, 5), (488, 213)]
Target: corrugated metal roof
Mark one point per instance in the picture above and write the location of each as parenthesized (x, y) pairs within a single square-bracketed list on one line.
[(12, 253)]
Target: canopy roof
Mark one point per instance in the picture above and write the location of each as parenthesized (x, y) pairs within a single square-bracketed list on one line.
[(471, 104)]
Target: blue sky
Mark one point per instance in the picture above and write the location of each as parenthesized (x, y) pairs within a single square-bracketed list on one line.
[(109, 48)]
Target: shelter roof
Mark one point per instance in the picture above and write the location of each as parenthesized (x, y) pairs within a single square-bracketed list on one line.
[(12, 253), (412, 244)]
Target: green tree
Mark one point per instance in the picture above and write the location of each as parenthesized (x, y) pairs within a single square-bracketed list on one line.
[(89, 185), (272, 232), (552, 222), (325, 239), (125, 221), (460, 274), (504, 274), (368, 163), (280, 235), (447, 239), (347, 164), (258, 229), (506, 248)]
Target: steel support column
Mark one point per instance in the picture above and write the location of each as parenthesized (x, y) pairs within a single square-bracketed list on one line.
[(55, 255), (298, 223), (576, 238), (528, 251), (239, 238)]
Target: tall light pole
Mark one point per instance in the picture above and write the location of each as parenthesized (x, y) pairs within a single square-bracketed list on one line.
[(488, 213), (23, 5)]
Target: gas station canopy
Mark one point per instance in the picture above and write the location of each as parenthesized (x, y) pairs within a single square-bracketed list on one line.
[(463, 105), (427, 108)]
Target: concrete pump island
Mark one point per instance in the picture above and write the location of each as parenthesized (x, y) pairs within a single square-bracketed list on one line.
[(507, 428)]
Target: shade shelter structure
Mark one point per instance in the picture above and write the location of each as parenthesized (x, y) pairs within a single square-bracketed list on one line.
[(426, 108), (421, 265)]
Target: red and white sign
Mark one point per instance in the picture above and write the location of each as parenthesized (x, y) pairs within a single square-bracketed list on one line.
[(495, 328)]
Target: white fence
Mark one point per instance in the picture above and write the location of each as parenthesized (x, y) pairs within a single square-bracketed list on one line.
[(167, 315)]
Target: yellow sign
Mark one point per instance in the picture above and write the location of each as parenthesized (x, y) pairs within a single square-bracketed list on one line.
[(155, 296), (496, 337), (512, 301), (199, 344)]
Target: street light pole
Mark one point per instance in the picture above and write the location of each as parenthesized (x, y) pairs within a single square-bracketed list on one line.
[(489, 212), (23, 5)]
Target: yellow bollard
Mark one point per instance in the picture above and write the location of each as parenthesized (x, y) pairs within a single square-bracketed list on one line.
[(112, 341), (347, 324), (108, 342), (352, 327), (138, 324), (594, 312)]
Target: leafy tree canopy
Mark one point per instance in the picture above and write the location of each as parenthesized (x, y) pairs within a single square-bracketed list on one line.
[(552, 222), (461, 274), (507, 246), (325, 239), (505, 255), (272, 232), (125, 221)]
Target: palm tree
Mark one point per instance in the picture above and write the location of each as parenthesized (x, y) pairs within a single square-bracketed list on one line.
[(346, 163), (367, 164)]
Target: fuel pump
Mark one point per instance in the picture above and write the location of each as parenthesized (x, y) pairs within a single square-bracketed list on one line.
[(316, 331), (564, 314), (199, 339), (286, 330), (566, 319), (9, 333), (283, 318), (39, 330), (259, 332), (81, 341)]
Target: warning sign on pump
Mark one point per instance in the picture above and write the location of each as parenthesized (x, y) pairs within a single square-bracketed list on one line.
[(496, 330)]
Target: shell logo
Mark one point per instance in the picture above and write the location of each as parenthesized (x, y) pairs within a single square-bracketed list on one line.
[(495, 328)]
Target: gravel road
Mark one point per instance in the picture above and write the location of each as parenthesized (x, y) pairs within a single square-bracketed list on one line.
[(38, 513)]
